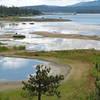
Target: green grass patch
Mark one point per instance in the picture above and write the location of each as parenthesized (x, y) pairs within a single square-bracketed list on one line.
[(5, 48), (21, 47)]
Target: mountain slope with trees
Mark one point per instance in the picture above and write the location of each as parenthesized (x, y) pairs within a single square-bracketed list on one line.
[(15, 11)]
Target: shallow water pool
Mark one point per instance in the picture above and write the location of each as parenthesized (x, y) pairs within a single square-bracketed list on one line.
[(13, 69)]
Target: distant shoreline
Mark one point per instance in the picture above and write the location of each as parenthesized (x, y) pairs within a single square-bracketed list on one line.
[(17, 19)]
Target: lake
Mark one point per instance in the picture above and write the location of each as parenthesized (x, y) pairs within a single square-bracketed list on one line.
[(93, 19), (14, 69), (87, 24), (84, 24)]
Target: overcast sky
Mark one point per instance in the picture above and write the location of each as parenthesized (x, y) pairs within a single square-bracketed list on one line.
[(40, 2)]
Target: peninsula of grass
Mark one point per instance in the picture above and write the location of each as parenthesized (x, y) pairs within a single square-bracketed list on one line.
[(17, 19), (78, 84)]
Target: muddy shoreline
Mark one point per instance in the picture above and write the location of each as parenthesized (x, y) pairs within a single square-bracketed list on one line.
[(57, 35), (70, 36)]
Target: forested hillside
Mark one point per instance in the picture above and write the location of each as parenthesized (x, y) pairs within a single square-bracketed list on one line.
[(15, 11)]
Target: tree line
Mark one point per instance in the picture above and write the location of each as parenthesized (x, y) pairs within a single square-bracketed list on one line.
[(16, 11)]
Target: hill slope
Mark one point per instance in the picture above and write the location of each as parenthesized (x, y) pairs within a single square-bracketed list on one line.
[(83, 7)]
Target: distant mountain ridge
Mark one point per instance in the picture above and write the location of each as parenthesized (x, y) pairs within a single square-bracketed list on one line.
[(91, 3), (83, 7)]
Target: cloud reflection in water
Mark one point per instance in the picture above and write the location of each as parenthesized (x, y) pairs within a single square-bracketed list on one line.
[(12, 69), (13, 63)]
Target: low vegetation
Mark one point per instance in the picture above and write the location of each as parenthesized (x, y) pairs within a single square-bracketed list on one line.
[(96, 73), (21, 47), (5, 48), (17, 19), (79, 84)]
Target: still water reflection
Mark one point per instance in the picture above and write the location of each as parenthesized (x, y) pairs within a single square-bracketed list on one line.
[(49, 44), (85, 24), (12, 69)]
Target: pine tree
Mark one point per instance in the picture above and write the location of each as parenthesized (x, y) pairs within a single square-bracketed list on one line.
[(43, 83)]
